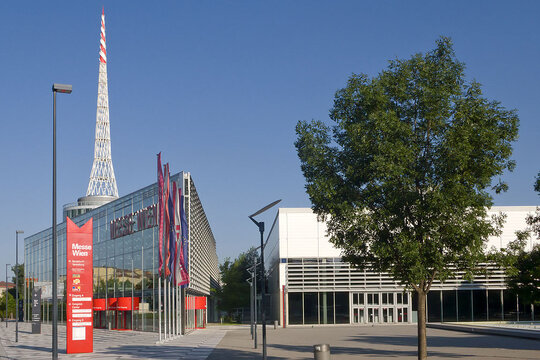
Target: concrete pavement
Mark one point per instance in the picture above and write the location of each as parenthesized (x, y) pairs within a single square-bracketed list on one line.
[(234, 342), (108, 344), (369, 342)]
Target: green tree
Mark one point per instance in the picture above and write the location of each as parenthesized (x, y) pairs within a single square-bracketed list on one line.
[(234, 292), (403, 176), (522, 267), (20, 275), (11, 305)]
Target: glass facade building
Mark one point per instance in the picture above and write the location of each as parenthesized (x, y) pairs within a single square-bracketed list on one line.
[(125, 266)]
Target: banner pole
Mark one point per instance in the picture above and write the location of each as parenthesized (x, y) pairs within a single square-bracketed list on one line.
[(174, 312), (169, 307), (159, 307), (165, 327), (177, 312)]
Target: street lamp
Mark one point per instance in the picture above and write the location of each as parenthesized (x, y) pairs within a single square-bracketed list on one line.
[(253, 301), (17, 232), (260, 225), (65, 89), (6, 294)]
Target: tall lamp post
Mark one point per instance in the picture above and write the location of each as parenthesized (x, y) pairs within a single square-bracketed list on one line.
[(65, 89), (6, 294), (17, 232), (260, 225)]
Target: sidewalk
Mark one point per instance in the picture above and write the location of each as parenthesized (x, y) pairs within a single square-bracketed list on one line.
[(108, 344)]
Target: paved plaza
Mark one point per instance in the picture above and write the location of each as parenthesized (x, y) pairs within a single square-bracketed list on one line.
[(374, 342), (108, 344), (234, 342)]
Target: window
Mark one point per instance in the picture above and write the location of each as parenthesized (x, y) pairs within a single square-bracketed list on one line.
[(372, 299), (342, 307), (311, 308), (388, 298), (434, 306), (295, 308), (326, 301)]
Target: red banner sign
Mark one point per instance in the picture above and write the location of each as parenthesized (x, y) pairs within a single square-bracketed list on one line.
[(80, 325)]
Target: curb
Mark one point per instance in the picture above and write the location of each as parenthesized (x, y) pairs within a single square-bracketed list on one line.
[(525, 334)]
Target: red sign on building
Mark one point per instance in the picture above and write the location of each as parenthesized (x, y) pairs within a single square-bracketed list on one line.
[(80, 336)]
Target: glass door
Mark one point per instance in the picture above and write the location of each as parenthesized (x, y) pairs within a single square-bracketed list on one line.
[(387, 315), (402, 316), (373, 302), (373, 315), (358, 316)]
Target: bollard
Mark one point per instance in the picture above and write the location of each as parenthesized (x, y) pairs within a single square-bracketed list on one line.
[(321, 352), (276, 324)]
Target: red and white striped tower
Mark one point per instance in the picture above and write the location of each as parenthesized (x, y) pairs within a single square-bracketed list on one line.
[(102, 180)]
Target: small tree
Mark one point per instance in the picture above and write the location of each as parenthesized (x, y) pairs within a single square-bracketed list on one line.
[(402, 177), (20, 271), (11, 305), (522, 267), (234, 292)]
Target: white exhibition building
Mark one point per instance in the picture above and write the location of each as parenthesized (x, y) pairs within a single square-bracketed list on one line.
[(310, 284)]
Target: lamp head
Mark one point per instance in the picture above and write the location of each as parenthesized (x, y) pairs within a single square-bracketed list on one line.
[(62, 88)]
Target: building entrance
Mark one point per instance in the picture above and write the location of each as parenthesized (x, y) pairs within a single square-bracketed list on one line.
[(379, 307), (115, 312)]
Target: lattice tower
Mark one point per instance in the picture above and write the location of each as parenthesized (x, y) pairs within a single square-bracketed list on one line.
[(102, 180)]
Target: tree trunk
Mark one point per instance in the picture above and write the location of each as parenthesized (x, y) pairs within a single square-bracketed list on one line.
[(422, 340)]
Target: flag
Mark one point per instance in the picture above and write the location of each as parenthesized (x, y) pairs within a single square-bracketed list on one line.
[(172, 234), (185, 240), (180, 272), (167, 219), (160, 195)]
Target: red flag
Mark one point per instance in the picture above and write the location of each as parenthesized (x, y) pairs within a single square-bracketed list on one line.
[(172, 237), (183, 276), (179, 276), (160, 195), (167, 218)]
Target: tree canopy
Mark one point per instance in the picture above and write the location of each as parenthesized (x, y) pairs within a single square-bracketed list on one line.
[(234, 292), (522, 267), (403, 177)]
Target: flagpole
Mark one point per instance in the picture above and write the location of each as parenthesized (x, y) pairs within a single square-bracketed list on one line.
[(159, 309), (169, 304), (142, 288), (169, 307), (165, 312), (174, 309), (178, 326)]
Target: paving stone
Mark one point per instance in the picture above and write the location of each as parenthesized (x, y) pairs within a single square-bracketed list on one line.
[(108, 344)]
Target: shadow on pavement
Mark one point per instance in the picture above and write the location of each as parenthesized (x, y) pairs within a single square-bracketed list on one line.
[(341, 350), (469, 341), (221, 354), (37, 348)]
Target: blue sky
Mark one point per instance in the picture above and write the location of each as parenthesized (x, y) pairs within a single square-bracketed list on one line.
[(218, 87)]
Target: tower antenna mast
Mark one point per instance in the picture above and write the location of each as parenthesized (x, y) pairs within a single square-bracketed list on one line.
[(102, 180)]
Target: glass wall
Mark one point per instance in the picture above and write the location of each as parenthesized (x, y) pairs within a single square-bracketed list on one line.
[(464, 298), (318, 308), (449, 308), (326, 306), (495, 306), (479, 305), (296, 308), (434, 306), (342, 307), (510, 306)]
